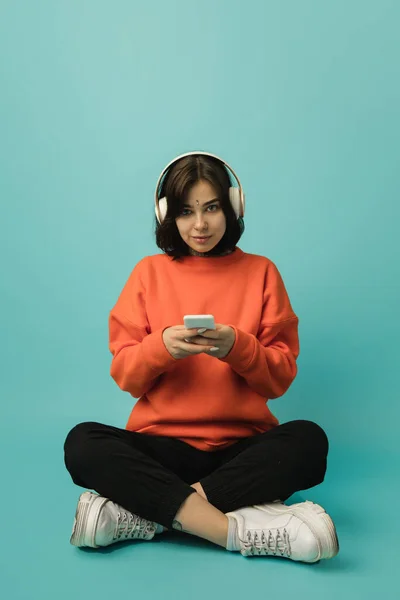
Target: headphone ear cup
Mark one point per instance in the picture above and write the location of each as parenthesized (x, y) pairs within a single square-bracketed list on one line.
[(234, 197), (162, 205)]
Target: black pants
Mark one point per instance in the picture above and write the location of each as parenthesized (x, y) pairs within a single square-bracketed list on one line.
[(151, 475)]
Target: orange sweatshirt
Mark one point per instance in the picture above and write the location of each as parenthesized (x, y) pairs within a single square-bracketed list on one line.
[(202, 400)]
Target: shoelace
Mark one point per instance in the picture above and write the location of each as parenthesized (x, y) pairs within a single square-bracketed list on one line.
[(130, 526), (267, 543)]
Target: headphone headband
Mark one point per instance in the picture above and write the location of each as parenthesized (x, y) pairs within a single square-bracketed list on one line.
[(176, 159)]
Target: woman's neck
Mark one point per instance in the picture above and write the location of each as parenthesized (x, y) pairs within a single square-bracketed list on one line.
[(195, 253)]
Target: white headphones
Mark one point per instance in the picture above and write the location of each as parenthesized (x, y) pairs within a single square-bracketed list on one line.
[(236, 194)]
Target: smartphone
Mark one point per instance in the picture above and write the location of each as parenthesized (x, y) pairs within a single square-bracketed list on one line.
[(199, 321)]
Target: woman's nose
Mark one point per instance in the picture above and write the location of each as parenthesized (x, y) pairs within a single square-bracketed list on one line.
[(200, 220)]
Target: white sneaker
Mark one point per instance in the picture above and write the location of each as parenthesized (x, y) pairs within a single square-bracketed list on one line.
[(101, 522), (302, 532)]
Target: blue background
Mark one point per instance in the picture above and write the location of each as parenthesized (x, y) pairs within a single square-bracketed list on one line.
[(302, 99)]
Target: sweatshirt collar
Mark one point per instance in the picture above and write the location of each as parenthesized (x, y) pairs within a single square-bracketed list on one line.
[(210, 262)]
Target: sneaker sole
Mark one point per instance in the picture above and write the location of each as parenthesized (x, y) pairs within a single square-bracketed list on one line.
[(313, 516), (86, 519)]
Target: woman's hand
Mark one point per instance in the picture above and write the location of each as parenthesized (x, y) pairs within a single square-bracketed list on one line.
[(175, 342), (223, 337)]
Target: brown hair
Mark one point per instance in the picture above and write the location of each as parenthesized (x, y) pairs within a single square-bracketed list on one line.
[(176, 185)]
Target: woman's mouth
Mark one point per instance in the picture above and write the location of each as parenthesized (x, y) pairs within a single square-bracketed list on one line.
[(202, 240)]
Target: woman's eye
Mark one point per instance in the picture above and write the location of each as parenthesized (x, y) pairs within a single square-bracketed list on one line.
[(185, 211)]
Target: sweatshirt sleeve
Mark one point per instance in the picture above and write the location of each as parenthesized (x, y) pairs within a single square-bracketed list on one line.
[(139, 354), (268, 361)]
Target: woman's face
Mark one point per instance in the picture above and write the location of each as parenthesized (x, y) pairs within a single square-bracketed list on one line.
[(201, 216)]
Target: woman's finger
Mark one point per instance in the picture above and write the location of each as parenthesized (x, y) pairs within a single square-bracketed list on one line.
[(198, 339)]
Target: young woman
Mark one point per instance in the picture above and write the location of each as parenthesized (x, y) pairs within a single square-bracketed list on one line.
[(201, 451)]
